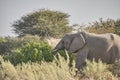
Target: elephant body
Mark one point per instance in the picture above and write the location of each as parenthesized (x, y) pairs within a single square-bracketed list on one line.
[(105, 47)]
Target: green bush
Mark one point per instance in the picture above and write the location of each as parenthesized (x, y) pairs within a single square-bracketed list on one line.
[(8, 44), (31, 51)]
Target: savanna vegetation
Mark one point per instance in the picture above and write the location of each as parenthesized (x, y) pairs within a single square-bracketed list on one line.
[(28, 56)]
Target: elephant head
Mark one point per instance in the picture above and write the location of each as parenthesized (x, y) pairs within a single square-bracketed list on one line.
[(71, 42)]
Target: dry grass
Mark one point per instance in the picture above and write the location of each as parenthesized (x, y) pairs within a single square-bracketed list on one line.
[(98, 71), (37, 71), (56, 70), (115, 68)]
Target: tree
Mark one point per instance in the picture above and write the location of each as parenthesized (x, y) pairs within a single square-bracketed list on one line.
[(105, 26), (117, 24), (44, 23)]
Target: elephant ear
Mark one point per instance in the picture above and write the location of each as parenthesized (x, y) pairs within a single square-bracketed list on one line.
[(77, 43)]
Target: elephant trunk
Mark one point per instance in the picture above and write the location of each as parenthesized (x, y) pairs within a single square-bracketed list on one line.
[(58, 47)]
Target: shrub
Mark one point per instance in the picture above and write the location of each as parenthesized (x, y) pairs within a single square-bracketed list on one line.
[(31, 51), (8, 44)]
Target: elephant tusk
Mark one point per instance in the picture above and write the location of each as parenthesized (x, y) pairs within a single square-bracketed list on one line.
[(55, 51)]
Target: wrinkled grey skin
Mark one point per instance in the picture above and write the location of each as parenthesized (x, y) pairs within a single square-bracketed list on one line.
[(89, 45)]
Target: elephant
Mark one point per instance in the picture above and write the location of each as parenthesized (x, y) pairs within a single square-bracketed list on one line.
[(85, 45)]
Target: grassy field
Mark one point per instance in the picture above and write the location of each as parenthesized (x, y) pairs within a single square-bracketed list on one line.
[(58, 70)]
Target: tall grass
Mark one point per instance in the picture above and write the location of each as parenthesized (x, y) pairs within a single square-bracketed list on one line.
[(57, 70), (98, 71)]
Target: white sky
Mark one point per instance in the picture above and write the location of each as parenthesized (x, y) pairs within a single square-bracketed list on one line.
[(81, 11)]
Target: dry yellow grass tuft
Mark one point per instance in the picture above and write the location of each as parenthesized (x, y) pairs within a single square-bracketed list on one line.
[(57, 70)]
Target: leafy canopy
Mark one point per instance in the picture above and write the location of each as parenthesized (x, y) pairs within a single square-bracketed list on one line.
[(44, 23), (105, 26)]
